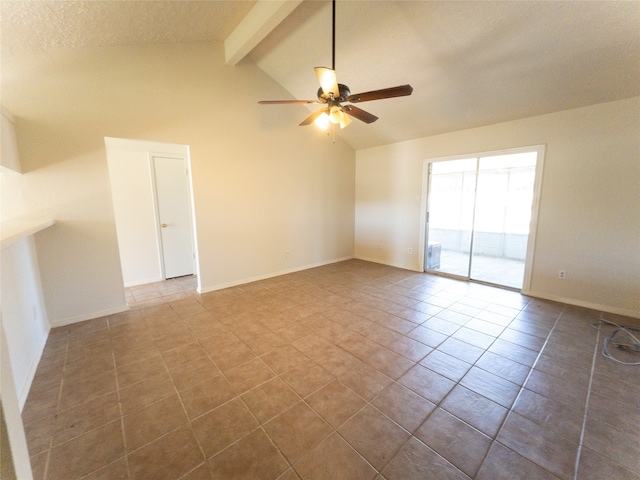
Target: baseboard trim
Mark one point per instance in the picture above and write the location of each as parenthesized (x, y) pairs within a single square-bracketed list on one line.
[(544, 296), (31, 374), (221, 286), (89, 316), (389, 264), (143, 282), (579, 303)]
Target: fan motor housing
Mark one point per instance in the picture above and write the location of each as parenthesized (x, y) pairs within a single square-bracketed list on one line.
[(344, 94)]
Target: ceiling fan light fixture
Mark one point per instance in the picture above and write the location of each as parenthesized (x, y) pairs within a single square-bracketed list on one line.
[(335, 114), (322, 121)]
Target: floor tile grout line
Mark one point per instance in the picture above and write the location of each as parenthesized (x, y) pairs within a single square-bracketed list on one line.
[(522, 387), (438, 404), (586, 406), (186, 414), (51, 433), (303, 400), (50, 440), (188, 418), (124, 436), (411, 435), (188, 422), (260, 424), (122, 415), (404, 335)]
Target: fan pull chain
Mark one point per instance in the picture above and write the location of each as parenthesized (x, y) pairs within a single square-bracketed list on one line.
[(332, 131)]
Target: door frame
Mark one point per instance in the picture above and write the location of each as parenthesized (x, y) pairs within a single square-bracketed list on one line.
[(190, 203), (535, 206)]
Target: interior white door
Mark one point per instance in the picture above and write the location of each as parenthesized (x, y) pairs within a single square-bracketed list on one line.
[(172, 193)]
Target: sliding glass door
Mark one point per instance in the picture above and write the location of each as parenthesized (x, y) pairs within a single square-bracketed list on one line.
[(479, 213), (450, 219)]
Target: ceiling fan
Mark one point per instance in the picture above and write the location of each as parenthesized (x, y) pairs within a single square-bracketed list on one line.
[(332, 95)]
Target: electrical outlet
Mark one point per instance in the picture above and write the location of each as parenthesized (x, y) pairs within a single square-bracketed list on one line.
[(410, 250), (562, 274)]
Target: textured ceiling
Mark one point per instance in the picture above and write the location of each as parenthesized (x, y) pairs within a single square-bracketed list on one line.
[(44, 24), (471, 63)]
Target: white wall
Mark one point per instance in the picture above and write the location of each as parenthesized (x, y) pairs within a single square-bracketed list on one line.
[(134, 209), (9, 158), (23, 312), (262, 185), (19, 450), (588, 220), (23, 318)]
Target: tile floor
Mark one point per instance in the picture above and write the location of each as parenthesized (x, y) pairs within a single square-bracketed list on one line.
[(348, 371)]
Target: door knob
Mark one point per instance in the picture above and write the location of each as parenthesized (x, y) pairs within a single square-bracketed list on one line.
[(164, 225)]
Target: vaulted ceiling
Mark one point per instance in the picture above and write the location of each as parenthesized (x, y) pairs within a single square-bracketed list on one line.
[(470, 63)]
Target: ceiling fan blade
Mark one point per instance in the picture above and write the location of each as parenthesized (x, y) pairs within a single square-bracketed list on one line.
[(328, 81), (360, 114), (309, 120), (285, 102), (401, 91)]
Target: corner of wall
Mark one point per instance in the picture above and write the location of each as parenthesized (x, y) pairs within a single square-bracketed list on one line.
[(89, 316)]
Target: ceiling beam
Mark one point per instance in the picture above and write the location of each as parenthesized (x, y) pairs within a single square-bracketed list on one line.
[(259, 22)]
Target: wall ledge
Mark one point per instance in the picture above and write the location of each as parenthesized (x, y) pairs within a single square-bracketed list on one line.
[(14, 230)]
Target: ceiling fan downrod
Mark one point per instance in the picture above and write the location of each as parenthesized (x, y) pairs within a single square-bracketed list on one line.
[(332, 94), (333, 36)]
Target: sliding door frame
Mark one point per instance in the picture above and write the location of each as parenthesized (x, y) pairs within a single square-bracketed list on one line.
[(535, 206)]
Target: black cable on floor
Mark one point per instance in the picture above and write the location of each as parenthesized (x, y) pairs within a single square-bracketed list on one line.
[(621, 338)]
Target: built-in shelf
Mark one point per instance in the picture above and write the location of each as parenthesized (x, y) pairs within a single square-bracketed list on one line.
[(12, 231)]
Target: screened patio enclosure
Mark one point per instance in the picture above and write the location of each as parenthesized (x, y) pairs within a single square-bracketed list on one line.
[(479, 215)]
